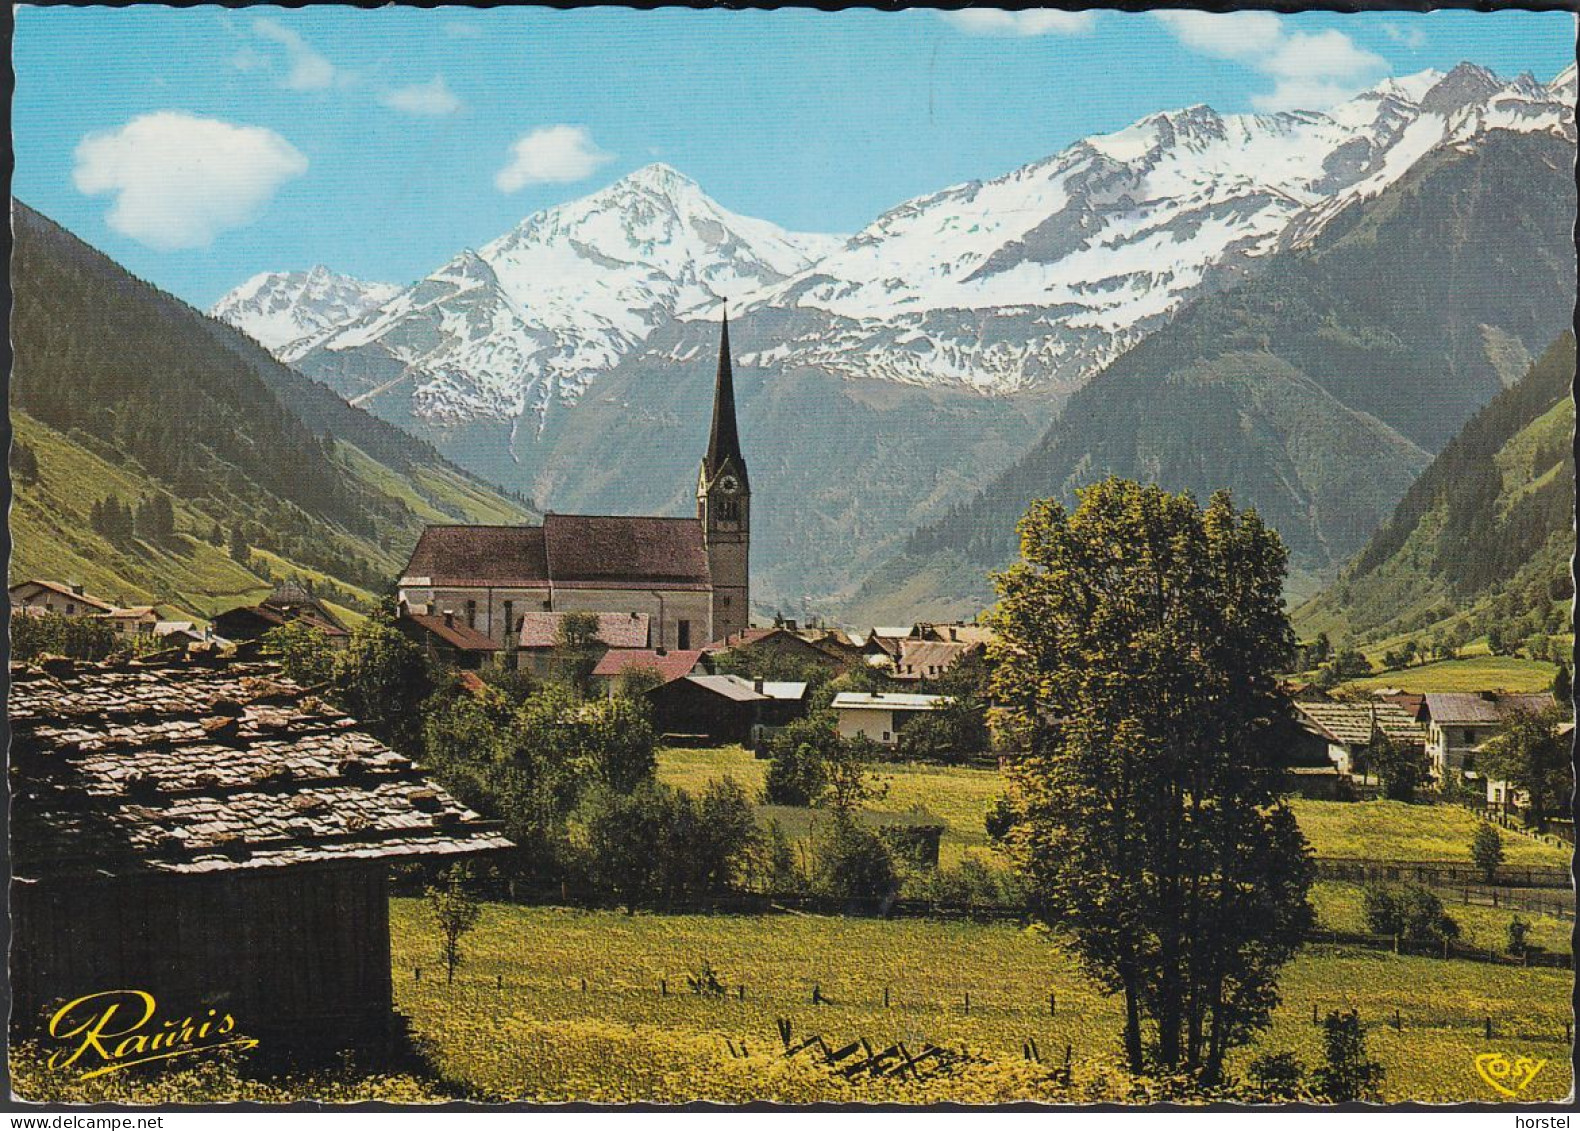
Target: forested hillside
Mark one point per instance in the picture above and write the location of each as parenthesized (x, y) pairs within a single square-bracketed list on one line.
[(1318, 392), (161, 456), (1483, 537)]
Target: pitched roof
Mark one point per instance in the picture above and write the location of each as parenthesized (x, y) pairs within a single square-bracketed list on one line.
[(131, 612), (729, 687), (617, 630), (670, 665), (181, 766), (480, 555), (955, 633), (65, 591), (456, 634), (600, 550), (887, 700), (1487, 708), (1351, 724), (274, 616), (920, 658)]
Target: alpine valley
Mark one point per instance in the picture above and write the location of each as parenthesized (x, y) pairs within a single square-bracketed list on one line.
[(1305, 306)]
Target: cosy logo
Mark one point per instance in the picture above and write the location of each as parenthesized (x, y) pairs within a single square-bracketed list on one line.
[(1509, 1077), (115, 1029)]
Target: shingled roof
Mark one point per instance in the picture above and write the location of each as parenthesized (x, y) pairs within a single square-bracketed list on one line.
[(480, 555), (670, 665), (1350, 724), (1488, 708), (617, 630), (189, 767), (451, 631), (599, 550)]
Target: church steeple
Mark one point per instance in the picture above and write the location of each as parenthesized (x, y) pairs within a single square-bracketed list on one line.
[(724, 506), (724, 443)]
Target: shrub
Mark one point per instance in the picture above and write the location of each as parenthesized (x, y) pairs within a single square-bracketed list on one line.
[(55, 635), (1410, 912), (1519, 938), (795, 760), (1349, 1073), (1277, 1076), (850, 862)]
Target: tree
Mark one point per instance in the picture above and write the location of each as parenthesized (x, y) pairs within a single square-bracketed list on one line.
[(305, 653), (576, 648), (24, 463), (1349, 1073), (1410, 912), (795, 760), (1530, 757), (1402, 766), (1563, 685), (848, 782), (380, 679), (849, 861), (1486, 849), (455, 911), (1139, 638), (240, 552)]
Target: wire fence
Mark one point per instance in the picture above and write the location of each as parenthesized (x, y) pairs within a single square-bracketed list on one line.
[(1440, 873)]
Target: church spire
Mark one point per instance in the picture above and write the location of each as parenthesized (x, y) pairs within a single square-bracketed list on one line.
[(724, 443)]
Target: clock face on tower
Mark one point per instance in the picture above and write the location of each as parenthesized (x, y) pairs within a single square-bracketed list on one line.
[(729, 484)]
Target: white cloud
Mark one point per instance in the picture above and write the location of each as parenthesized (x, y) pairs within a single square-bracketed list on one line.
[(1406, 36), (551, 155), (1231, 35), (1311, 70), (995, 21), (180, 180), (307, 69), (434, 99)]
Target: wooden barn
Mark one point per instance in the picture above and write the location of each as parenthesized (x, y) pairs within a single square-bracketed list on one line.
[(203, 831)]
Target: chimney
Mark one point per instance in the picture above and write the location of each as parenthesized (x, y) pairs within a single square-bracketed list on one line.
[(757, 686), (954, 633), (661, 651), (76, 588), (449, 618), (790, 624)]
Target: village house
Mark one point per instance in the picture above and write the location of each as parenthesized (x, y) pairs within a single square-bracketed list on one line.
[(664, 666), (922, 658), (540, 635), (60, 599), (688, 576), (880, 715), (130, 623), (780, 642), (288, 603), (447, 642), (203, 831), (725, 708), (1348, 728), (1458, 722)]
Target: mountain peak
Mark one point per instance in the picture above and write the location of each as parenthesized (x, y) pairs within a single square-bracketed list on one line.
[(659, 177), (1464, 85)]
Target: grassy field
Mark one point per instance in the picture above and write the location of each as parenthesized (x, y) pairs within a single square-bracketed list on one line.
[(1392, 830), (961, 797), (1472, 673), (518, 1025), (1340, 907)]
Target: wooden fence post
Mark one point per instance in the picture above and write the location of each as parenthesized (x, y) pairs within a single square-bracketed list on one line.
[(1398, 1022), (584, 985), (968, 1003), (817, 994), (1313, 1013), (885, 997), (663, 987), (416, 973), (1052, 1006), (740, 993), (1486, 1028), (499, 981)]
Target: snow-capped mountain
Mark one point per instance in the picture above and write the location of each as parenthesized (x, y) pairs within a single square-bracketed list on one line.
[(286, 311), (1032, 281), (533, 317), (1039, 278)]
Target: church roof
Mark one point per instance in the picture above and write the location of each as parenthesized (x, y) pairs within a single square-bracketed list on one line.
[(616, 630), (480, 555), (598, 551)]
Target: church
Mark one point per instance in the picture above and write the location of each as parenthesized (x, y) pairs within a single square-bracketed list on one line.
[(686, 577)]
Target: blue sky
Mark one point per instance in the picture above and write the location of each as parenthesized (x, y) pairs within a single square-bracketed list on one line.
[(203, 145)]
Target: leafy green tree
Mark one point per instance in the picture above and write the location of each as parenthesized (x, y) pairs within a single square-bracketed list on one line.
[(1519, 931), (1409, 911), (795, 760), (1139, 637), (455, 911), (1563, 685), (577, 650), (1486, 850), (381, 678), (1349, 1073), (1277, 1076), (305, 653), (24, 463), (1403, 766), (50, 634), (1530, 756), (849, 861), (240, 551)]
